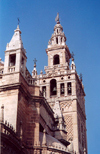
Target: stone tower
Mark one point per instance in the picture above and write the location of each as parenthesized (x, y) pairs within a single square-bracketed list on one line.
[(61, 84), (18, 94), (14, 65)]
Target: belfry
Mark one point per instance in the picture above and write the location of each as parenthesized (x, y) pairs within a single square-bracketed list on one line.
[(62, 84)]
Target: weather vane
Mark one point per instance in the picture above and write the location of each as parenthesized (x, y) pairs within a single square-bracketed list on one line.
[(57, 19), (18, 21)]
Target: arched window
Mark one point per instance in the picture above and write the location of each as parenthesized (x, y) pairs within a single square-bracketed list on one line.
[(56, 60), (53, 87), (69, 88)]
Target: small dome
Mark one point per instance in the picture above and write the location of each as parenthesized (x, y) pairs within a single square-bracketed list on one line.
[(52, 142)]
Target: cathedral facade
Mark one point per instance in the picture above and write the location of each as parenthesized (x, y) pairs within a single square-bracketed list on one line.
[(45, 113)]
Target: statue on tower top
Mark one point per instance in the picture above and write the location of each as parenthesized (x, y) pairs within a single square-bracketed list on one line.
[(57, 18)]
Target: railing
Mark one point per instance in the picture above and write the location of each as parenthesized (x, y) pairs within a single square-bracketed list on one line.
[(9, 131), (56, 66), (11, 69), (54, 73), (28, 77)]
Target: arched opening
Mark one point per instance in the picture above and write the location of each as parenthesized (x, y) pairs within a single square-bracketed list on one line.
[(56, 60), (69, 88), (57, 40), (12, 60), (53, 87)]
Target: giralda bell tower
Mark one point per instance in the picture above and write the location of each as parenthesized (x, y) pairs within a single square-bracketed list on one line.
[(62, 84)]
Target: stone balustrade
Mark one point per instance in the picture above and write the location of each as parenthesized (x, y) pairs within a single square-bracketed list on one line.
[(11, 69), (7, 129)]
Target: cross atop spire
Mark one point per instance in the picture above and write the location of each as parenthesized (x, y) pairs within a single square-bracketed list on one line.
[(72, 56), (34, 72), (18, 21)]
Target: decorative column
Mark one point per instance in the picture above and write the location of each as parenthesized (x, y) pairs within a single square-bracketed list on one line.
[(58, 89), (65, 89)]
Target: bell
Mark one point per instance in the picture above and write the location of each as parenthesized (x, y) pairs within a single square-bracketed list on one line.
[(54, 89), (62, 89)]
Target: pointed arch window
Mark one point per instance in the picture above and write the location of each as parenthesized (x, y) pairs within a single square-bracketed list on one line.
[(56, 60), (53, 87)]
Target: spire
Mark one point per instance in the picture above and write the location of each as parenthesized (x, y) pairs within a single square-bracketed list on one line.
[(16, 41), (34, 72)]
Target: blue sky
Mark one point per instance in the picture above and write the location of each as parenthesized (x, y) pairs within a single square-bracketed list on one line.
[(81, 23)]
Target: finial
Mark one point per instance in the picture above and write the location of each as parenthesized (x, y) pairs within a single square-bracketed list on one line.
[(81, 77), (18, 21), (84, 151), (72, 56), (35, 62), (57, 18)]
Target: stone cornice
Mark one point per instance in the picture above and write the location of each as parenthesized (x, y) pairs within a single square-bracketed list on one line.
[(56, 47), (14, 50), (9, 87)]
